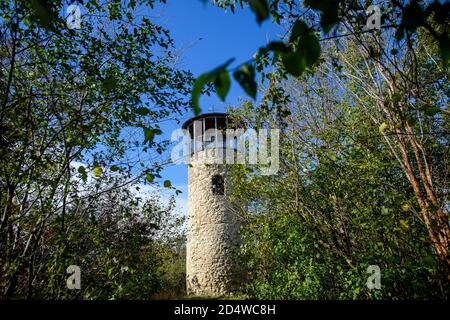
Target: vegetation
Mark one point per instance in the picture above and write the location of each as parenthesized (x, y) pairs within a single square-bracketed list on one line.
[(363, 178), (80, 113)]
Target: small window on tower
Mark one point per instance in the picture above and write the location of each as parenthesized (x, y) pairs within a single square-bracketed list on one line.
[(217, 185)]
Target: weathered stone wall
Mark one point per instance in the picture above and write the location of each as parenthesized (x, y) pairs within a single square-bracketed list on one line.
[(212, 231)]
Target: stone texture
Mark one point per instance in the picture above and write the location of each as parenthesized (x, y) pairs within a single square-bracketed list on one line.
[(212, 230)]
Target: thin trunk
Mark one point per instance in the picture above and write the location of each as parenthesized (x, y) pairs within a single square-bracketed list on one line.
[(437, 237)]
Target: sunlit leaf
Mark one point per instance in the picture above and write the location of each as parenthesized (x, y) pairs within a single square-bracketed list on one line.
[(383, 128), (97, 171)]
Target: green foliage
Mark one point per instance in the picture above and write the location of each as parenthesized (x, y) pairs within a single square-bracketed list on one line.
[(44, 12), (119, 244), (79, 109), (341, 200), (315, 227), (306, 50), (354, 137), (245, 76), (305, 47), (329, 12), (222, 84), (219, 76)]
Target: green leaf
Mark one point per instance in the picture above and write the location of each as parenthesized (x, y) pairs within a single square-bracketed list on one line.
[(150, 177), (44, 12), (294, 63), (245, 76), (332, 156), (299, 29), (222, 84), (404, 224), (260, 8), (432, 111), (82, 171), (278, 46), (428, 260), (115, 168), (142, 111), (149, 134), (202, 80), (307, 49), (329, 12), (167, 184), (311, 48)]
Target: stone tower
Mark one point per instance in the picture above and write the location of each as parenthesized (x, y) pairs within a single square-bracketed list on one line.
[(212, 227)]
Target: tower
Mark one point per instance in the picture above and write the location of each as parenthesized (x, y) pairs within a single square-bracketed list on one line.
[(212, 235)]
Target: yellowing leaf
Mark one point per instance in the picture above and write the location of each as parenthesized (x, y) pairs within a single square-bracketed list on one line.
[(404, 224), (98, 171), (406, 207), (167, 184), (383, 128)]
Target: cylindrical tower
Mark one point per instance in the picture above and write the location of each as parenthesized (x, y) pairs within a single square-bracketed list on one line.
[(212, 228)]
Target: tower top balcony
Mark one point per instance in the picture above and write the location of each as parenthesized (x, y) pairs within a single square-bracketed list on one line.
[(208, 130)]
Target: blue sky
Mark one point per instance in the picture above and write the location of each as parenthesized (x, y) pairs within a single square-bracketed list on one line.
[(207, 36)]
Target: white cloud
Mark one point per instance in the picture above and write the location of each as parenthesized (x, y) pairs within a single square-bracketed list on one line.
[(165, 194)]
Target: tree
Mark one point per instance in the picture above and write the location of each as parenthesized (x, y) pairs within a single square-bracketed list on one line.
[(401, 86), (342, 200), (93, 96), (404, 86), (306, 20)]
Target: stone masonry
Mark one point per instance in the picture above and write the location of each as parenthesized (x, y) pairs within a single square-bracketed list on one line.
[(212, 230)]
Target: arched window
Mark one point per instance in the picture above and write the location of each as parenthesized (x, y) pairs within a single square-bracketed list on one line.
[(217, 185)]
